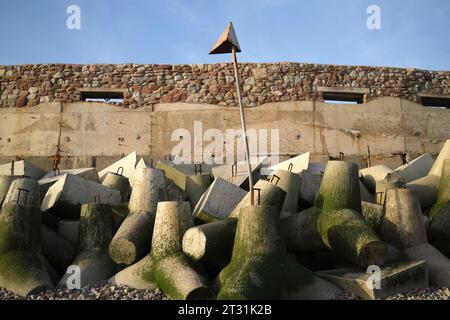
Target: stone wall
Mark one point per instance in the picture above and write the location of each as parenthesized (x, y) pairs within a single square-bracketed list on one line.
[(29, 85)]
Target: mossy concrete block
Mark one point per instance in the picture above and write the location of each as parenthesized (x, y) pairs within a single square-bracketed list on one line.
[(373, 174), (65, 197), (438, 264), (120, 183), (393, 279), (69, 229), (426, 188), (418, 168), (439, 230), (5, 183), (301, 233), (289, 182), (173, 173), (402, 224), (350, 237), (24, 272), (96, 232), (339, 188), (126, 165), (177, 276), (22, 168), (133, 238), (443, 195), (373, 214), (295, 165), (255, 270), (133, 275), (27, 189), (218, 201), (196, 186)]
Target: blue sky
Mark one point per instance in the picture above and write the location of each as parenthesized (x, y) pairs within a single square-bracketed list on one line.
[(414, 33)]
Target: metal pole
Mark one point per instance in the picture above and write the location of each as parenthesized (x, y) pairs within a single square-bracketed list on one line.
[(244, 127)]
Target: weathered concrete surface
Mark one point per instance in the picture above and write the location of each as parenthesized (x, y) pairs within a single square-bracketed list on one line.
[(30, 197), (69, 229), (50, 178), (218, 201), (99, 130), (71, 191), (373, 174), (426, 188), (289, 182), (240, 175), (309, 186), (5, 183), (295, 165), (125, 167), (417, 168), (394, 279), (22, 168), (402, 224)]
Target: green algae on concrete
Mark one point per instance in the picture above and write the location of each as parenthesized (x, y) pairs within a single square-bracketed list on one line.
[(339, 188), (350, 237), (174, 273)]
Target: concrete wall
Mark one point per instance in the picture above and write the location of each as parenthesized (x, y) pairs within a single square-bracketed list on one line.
[(88, 131)]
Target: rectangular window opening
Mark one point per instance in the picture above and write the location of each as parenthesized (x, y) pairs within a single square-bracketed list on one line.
[(343, 97), (436, 102), (114, 97)]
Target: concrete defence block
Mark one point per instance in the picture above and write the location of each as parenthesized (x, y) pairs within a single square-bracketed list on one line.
[(237, 173), (391, 181), (196, 186), (174, 273), (438, 264), (295, 165), (65, 197), (260, 267), (309, 186), (316, 167), (175, 173), (443, 195), (5, 183), (339, 188), (218, 201), (444, 154), (289, 182), (69, 229), (133, 238), (142, 163), (50, 178), (22, 168), (426, 188), (417, 168), (365, 194), (373, 174), (347, 234), (402, 224), (118, 182), (373, 214), (128, 164), (24, 191), (92, 259), (301, 233), (134, 276), (394, 279)]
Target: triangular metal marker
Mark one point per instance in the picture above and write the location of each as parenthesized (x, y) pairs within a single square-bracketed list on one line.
[(226, 42)]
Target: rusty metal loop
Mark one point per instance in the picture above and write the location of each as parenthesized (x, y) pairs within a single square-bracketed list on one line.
[(291, 165), (273, 177), (120, 169)]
